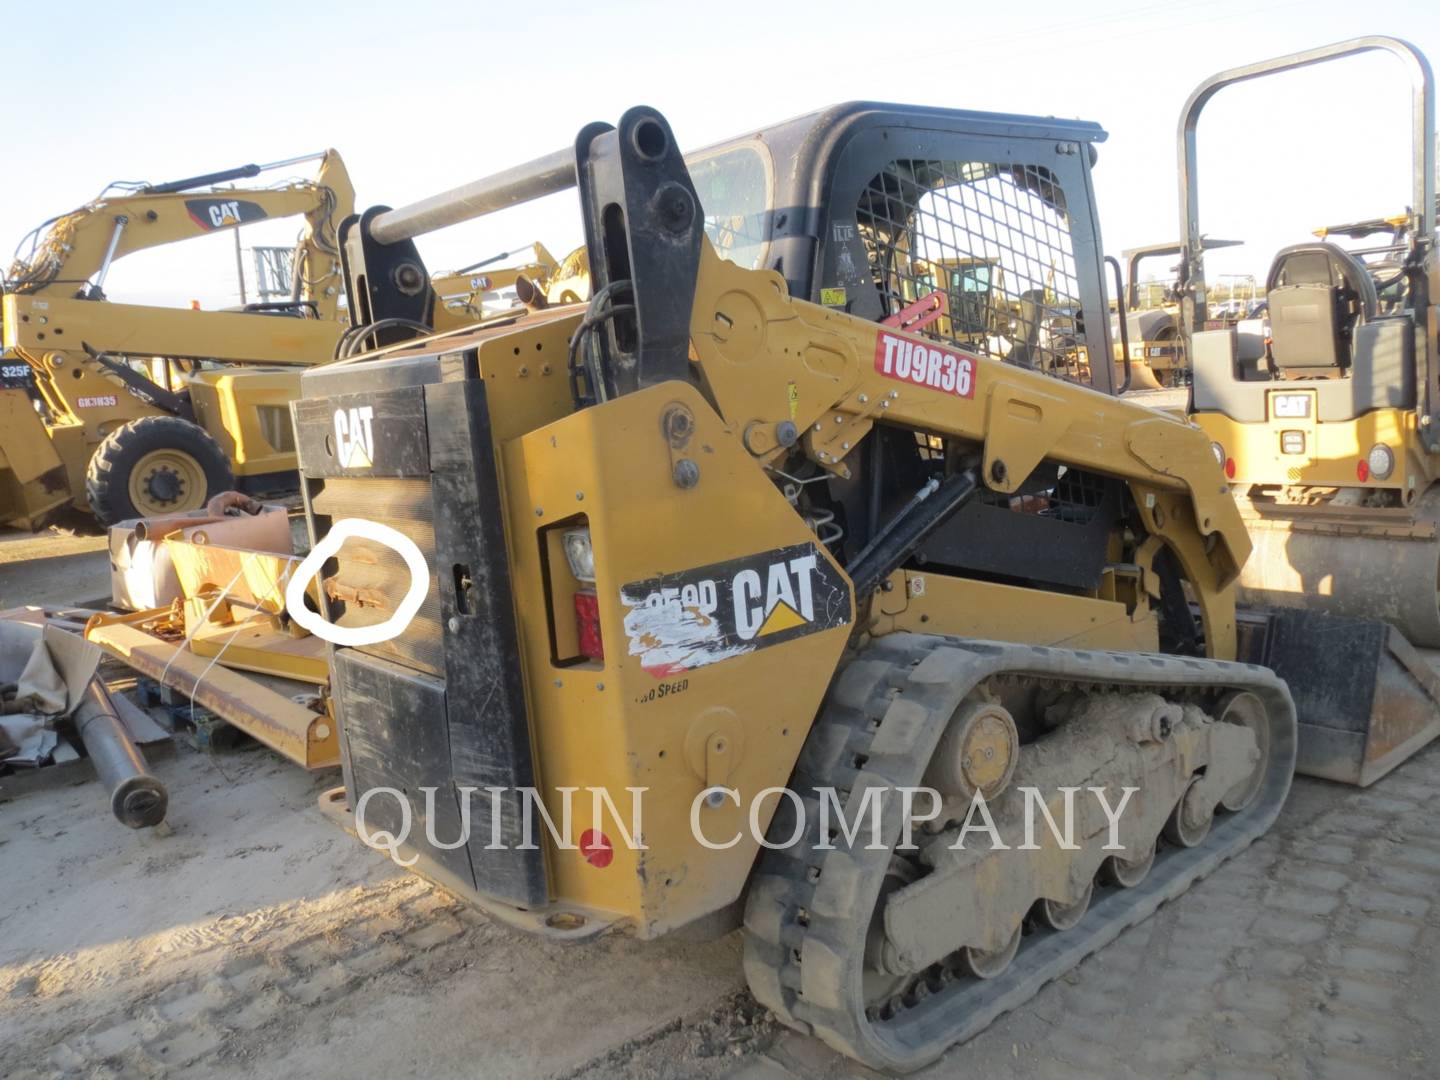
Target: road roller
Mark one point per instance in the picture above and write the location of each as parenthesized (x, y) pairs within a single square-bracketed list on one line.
[(1330, 439)]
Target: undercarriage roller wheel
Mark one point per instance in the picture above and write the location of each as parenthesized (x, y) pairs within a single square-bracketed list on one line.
[(1191, 819), (155, 465), (1245, 709), (1061, 916), (1127, 873), (977, 753), (881, 985), (987, 965)]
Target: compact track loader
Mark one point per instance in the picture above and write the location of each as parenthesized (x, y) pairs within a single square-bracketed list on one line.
[(1330, 435), (129, 410), (746, 538)]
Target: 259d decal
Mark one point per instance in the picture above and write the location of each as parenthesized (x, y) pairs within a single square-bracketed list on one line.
[(691, 618)]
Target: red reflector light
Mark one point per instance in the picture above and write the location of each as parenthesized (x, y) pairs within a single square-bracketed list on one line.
[(587, 624), (596, 848), (1362, 470), (1229, 468)]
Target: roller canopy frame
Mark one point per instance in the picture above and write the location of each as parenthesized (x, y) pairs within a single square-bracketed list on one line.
[(1422, 108)]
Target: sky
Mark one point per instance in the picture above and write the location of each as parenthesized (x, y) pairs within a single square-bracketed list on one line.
[(424, 96)]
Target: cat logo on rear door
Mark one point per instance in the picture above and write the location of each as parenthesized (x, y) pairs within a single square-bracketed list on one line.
[(354, 437), (696, 617)]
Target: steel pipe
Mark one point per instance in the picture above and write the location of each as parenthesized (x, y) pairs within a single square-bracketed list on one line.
[(522, 184), (137, 799)]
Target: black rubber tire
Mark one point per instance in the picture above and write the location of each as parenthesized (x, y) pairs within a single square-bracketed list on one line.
[(107, 480)]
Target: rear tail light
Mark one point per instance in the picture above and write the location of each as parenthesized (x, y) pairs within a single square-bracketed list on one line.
[(1362, 470), (587, 624), (581, 557), (1229, 468)]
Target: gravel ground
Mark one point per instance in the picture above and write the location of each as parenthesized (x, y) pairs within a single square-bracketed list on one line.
[(53, 566), (251, 936)]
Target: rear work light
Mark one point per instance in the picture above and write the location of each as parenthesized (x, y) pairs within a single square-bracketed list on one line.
[(579, 554), (1381, 461), (581, 557)]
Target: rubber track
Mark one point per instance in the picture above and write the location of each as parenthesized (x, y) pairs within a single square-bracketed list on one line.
[(809, 911)]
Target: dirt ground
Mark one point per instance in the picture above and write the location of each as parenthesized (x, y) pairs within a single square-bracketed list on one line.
[(53, 566), (251, 936)]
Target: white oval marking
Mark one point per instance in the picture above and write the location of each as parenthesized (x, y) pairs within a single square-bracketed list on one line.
[(310, 566)]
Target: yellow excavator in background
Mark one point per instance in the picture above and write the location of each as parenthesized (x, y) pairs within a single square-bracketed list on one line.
[(473, 293), (1330, 436), (132, 410)]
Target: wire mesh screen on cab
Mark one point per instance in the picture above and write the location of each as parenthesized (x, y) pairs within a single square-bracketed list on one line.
[(995, 240)]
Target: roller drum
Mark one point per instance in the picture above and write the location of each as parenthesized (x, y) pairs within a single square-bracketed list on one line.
[(1364, 575)]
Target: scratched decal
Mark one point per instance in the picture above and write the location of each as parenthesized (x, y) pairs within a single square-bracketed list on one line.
[(691, 618)]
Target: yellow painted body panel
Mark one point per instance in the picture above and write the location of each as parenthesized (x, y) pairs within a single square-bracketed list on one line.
[(596, 724), (248, 412), (137, 330), (33, 479), (1332, 450), (25, 452), (921, 602)]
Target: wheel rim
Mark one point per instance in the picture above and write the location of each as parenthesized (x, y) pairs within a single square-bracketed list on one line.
[(1246, 710), (1128, 873), (166, 482), (1059, 916), (987, 965)]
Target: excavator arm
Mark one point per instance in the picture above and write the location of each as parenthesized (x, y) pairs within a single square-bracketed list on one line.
[(76, 253)]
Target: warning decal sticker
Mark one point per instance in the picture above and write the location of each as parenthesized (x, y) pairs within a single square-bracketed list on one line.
[(691, 618)]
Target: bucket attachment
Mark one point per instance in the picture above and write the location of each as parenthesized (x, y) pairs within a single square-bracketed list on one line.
[(1366, 698)]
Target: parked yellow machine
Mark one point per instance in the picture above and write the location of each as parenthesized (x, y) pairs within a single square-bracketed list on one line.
[(131, 410), (749, 520), (1330, 435), (474, 293)]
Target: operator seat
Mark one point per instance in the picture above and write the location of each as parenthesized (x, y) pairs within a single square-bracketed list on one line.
[(1319, 295)]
